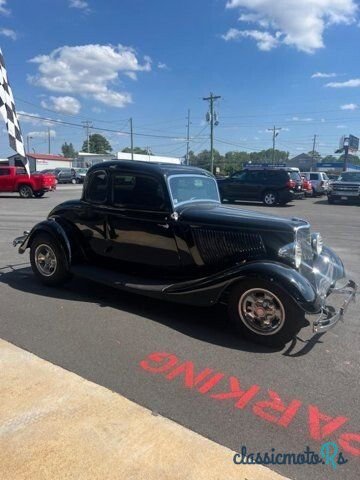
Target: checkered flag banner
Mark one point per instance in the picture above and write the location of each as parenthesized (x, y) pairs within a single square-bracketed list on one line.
[(8, 111)]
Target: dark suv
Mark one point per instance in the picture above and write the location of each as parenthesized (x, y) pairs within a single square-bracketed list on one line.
[(269, 185)]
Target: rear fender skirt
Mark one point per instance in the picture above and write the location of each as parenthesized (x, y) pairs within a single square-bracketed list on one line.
[(53, 228), (208, 291)]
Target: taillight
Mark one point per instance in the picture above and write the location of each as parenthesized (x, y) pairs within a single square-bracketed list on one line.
[(291, 184)]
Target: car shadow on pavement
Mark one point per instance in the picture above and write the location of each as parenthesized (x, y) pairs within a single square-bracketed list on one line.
[(209, 325)]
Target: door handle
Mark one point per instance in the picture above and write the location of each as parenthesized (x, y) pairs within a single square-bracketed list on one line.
[(163, 225)]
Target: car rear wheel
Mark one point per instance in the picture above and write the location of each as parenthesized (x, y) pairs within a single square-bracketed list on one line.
[(25, 191), (264, 313), (270, 198), (48, 260), (73, 181)]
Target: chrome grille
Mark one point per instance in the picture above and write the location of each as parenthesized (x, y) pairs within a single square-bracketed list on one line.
[(346, 188), (304, 238), (217, 246)]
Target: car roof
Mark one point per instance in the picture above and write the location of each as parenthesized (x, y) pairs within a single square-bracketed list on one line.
[(162, 169)]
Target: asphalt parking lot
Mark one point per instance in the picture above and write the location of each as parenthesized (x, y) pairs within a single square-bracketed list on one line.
[(104, 336)]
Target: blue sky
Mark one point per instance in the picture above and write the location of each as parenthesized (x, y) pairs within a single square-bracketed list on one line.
[(293, 64)]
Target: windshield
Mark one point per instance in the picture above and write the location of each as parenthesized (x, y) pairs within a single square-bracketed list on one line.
[(190, 188), (295, 176), (349, 177)]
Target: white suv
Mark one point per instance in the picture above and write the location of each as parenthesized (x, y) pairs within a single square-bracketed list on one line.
[(319, 182)]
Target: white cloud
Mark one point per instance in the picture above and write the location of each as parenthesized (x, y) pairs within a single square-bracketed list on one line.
[(354, 82), (63, 105), (113, 99), (7, 32), (299, 119), (324, 75), (298, 23), (42, 134), (89, 70), (349, 106), (341, 126), (79, 4), (265, 41), (33, 119), (3, 9), (162, 66)]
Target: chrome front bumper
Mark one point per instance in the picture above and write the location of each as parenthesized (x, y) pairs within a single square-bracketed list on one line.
[(329, 315), (20, 240)]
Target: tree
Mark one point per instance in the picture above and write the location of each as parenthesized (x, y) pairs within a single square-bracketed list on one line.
[(68, 150), (316, 156), (97, 144), (138, 150)]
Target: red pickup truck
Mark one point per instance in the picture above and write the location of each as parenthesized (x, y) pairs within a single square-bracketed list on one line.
[(15, 179)]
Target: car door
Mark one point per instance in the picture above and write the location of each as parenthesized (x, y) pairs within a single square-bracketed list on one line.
[(255, 184), (140, 228), (91, 217), (236, 187), (6, 181)]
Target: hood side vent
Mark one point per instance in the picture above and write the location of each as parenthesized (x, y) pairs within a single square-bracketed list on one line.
[(217, 246)]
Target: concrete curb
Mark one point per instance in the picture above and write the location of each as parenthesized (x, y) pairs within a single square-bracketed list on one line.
[(56, 425)]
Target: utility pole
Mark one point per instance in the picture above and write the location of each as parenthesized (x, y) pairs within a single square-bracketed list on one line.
[(346, 153), (28, 142), (275, 131), (211, 100), (313, 152), (87, 125), (131, 139), (49, 141), (187, 137)]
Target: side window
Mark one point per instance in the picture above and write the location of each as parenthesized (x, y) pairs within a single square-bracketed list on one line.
[(255, 177), (240, 176), (4, 171), (313, 176), (138, 191), (96, 189)]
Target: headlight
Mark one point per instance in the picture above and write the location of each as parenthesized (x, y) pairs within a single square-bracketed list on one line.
[(292, 252), (317, 243)]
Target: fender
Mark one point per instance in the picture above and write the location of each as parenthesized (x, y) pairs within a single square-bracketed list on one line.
[(53, 228), (209, 290)]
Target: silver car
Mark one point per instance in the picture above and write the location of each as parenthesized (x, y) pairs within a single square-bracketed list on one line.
[(319, 182)]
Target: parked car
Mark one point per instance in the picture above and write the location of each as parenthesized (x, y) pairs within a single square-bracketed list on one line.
[(319, 182), (271, 186), (80, 174), (15, 179), (160, 230), (306, 186), (345, 189), (65, 175)]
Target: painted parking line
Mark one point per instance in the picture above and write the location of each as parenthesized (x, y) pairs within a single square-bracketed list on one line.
[(54, 424)]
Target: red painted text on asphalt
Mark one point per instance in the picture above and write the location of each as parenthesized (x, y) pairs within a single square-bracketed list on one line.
[(268, 405)]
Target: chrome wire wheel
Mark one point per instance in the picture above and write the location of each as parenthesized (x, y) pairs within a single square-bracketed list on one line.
[(261, 311), (45, 260)]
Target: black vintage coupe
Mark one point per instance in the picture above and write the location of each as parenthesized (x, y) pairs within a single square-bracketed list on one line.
[(161, 230)]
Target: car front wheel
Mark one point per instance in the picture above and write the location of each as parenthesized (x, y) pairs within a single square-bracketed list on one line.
[(270, 198), (264, 313), (48, 260), (39, 194)]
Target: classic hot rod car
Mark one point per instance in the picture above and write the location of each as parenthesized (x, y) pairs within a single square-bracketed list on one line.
[(161, 230)]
